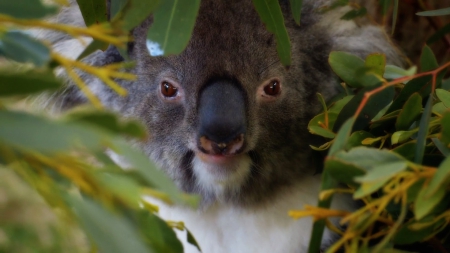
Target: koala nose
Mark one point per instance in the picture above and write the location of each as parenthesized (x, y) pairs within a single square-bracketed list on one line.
[(222, 118)]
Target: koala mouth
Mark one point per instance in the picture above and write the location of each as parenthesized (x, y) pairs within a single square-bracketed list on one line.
[(223, 149)]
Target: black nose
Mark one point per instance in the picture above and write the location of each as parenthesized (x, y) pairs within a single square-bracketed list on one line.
[(222, 114)]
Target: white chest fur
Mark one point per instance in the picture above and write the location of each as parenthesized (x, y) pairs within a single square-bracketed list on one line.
[(268, 229)]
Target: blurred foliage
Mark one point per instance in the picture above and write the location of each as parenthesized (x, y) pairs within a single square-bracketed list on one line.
[(63, 158), (387, 136)]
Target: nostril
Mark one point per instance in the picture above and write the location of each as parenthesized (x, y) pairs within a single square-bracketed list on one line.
[(231, 148)]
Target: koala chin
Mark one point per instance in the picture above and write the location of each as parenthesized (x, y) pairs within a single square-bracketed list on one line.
[(228, 121)]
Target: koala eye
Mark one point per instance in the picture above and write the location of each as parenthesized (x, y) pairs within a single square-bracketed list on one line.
[(273, 88), (168, 89)]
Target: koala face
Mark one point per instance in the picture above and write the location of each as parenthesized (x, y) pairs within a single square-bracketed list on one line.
[(226, 119)]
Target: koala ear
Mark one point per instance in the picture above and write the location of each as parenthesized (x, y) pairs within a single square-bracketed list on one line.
[(359, 36)]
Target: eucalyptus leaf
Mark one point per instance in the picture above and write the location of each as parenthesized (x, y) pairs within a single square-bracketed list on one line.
[(439, 34), (93, 11), (317, 125), (410, 112), (296, 9), (444, 96), (442, 148), (92, 47), (28, 82), (173, 23), (372, 157), (393, 72), (271, 15), (438, 12), (382, 171), (132, 12), (355, 13), (26, 9), (160, 237), (350, 68), (375, 103), (441, 178), (343, 171), (150, 173), (428, 60), (423, 131), (29, 132), (109, 122), (20, 47), (445, 132), (407, 235), (108, 231), (342, 137), (425, 203)]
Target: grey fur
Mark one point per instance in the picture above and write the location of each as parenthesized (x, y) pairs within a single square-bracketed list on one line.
[(230, 40)]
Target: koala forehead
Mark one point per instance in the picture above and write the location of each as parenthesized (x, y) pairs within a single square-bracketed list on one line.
[(229, 39)]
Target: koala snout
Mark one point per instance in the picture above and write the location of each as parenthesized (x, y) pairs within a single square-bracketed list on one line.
[(222, 118)]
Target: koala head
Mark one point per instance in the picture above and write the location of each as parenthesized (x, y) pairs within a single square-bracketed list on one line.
[(226, 119)]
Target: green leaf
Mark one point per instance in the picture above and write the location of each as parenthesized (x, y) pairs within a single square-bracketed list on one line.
[(407, 235), (375, 103), (442, 148), (337, 106), (134, 12), (160, 236), (172, 27), (319, 226), (360, 12), (296, 9), (428, 60), (93, 11), (444, 96), (92, 47), (271, 15), (26, 9), (191, 240), (376, 63), (439, 34), (335, 4), (151, 174), (368, 188), (385, 4), (406, 150), (110, 122), (22, 48), (421, 85), (439, 109), (368, 158), (29, 82), (342, 171), (116, 7), (111, 233), (394, 16), (121, 186), (356, 139), (316, 124), (342, 137), (346, 65), (393, 72), (29, 132), (438, 12), (445, 134), (425, 203), (441, 179), (382, 172), (423, 131), (411, 110)]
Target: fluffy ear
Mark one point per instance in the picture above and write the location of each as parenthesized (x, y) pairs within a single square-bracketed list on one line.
[(359, 36)]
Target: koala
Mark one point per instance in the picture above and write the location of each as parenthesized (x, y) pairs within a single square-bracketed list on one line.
[(228, 121)]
